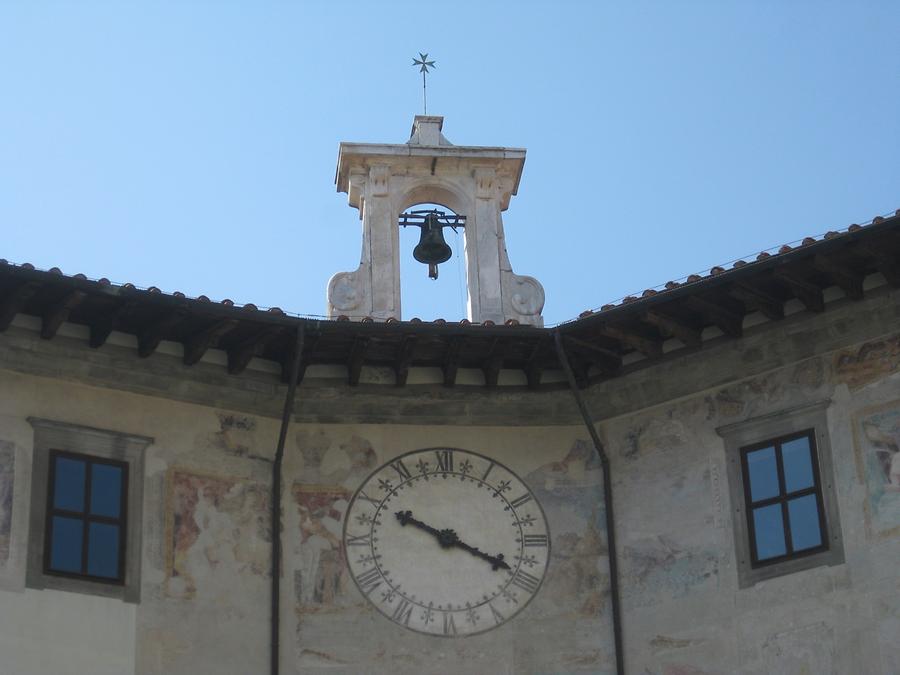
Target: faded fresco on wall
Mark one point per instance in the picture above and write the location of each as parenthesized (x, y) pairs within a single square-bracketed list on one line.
[(329, 462), (321, 580), (7, 469), (859, 366), (878, 464), (757, 395), (570, 492), (235, 435), (662, 564), (217, 530)]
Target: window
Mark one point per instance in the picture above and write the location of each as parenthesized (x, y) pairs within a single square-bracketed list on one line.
[(85, 525), (784, 508), (783, 498)]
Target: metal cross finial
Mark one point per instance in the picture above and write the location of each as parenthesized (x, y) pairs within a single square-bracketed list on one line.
[(424, 64)]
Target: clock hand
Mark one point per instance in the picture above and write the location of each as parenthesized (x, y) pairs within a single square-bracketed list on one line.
[(496, 560), (448, 538)]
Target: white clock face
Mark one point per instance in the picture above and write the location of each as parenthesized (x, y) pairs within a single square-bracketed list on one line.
[(446, 542)]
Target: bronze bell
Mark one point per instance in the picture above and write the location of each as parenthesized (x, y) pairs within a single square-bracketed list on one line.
[(432, 249)]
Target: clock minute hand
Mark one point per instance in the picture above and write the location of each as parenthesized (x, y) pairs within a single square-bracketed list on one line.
[(448, 538), (496, 561)]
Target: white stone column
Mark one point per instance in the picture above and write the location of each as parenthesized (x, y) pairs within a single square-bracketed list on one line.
[(483, 250), (380, 223)]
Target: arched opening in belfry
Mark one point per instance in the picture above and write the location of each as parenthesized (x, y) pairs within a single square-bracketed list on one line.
[(421, 296)]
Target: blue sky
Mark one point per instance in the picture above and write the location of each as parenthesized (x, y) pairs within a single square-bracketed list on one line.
[(192, 146)]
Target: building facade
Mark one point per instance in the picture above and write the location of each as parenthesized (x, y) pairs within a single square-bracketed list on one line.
[(441, 486)]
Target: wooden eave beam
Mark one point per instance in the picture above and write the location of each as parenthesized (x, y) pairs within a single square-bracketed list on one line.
[(728, 320), (580, 368), (677, 328), (13, 303), (240, 355), (886, 261), (647, 346), (404, 358), (533, 367), (607, 361), (355, 360), (199, 343), (768, 305), (849, 281), (309, 349), (103, 325), (805, 291), (150, 337), (493, 364), (451, 360), (59, 312)]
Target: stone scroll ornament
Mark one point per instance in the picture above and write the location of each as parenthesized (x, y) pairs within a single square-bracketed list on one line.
[(345, 293), (526, 295)]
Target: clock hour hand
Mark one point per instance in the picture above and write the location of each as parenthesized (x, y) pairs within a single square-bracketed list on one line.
[(448, 538)]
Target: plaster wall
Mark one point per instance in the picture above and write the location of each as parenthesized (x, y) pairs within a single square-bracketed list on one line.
[(684, 611), (204, 604)]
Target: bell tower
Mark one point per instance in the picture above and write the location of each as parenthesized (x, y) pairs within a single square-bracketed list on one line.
[(383, 180)]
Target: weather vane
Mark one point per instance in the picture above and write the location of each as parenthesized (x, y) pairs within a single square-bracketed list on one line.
[(424, 64)]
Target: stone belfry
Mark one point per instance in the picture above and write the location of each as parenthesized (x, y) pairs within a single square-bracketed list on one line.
[(382, 180)]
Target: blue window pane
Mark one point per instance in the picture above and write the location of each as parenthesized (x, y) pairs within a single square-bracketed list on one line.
[(106, 490), (65, 544), (763, 474), (798, 470), (769, 532), (68, 490), (803, 513), (103, 550)]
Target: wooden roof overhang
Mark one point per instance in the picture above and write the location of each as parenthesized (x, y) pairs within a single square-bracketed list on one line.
[(596, 343)]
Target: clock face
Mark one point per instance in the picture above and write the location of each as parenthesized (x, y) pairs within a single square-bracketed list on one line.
[(446, 542)]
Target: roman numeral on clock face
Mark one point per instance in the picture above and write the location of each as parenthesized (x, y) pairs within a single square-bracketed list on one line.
[(535, 540), (373, 502), (498, 617), (361, 540), (490, 466), (369, 580), (402, 612), (444, 460), (526, 581), (400, 468), (449, 625), (516, 503)]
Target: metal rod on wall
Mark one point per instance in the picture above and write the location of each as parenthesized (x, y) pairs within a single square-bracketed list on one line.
[(607, 502)]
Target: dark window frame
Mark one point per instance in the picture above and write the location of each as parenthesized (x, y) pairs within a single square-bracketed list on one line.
[(86, 517), (761, 430), (783, 497)]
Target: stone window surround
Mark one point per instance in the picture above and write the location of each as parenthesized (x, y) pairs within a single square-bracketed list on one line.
[(129, 448), (757, 430)]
